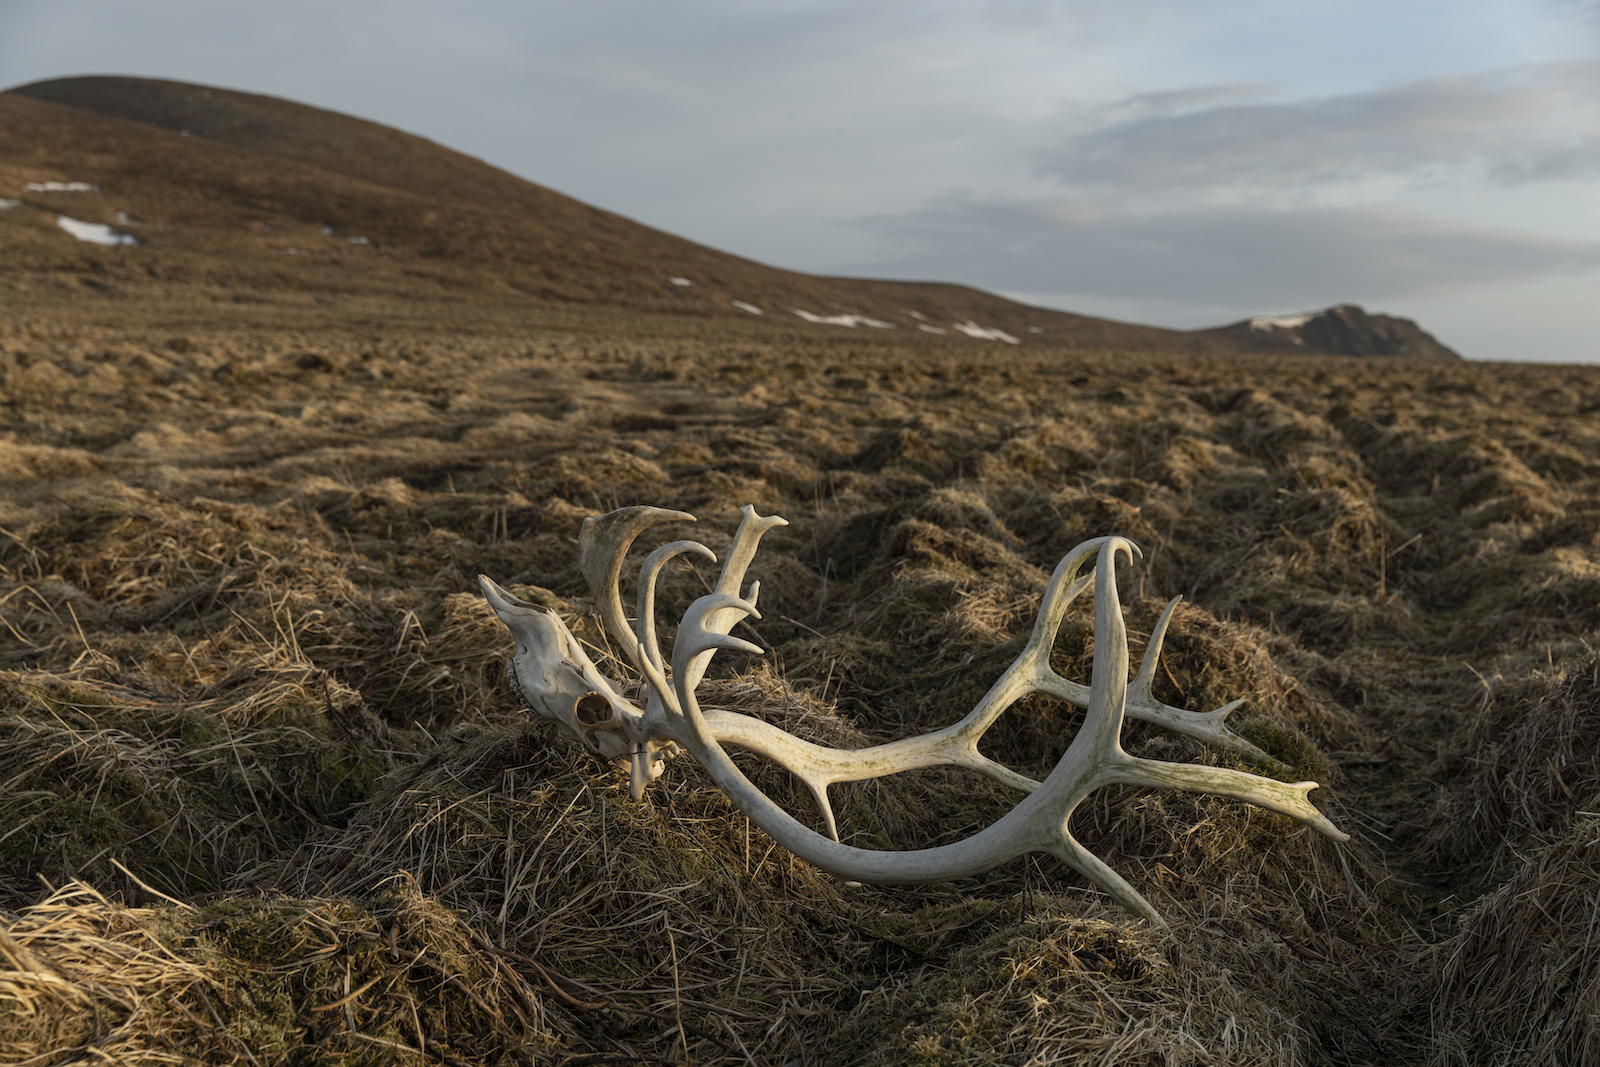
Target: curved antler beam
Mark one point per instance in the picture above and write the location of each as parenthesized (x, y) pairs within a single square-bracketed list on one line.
[(672, 716), (603, 542)]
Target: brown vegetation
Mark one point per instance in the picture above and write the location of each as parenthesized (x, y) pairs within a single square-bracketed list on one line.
[(247, 664), (267, 799)]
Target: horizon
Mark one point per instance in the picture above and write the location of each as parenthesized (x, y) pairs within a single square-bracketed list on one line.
[(1270, 167)]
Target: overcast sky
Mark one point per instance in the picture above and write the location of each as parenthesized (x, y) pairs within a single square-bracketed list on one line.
[(1163, 161)]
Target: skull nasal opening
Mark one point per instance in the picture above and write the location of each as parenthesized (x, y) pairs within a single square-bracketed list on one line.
[(592, 710)]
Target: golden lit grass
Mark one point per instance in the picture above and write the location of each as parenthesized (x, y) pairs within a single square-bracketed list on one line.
[(245, 659)]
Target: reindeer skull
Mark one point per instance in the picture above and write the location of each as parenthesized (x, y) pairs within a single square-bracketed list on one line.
[(556, 679)]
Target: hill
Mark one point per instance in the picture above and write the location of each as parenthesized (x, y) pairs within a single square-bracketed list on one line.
[(1344, 330), (249, 199)]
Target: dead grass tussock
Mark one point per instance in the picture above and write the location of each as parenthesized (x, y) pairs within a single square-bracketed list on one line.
[(1527, 601), (185, 785), (264, 980), (1515, 985), (79, 973), (392, 977), (1520, 770), (24, 463), (1071, 983)]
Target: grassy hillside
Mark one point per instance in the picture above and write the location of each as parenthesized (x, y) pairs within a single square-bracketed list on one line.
[(241, 202)]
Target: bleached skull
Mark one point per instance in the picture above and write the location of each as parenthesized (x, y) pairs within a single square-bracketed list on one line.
[(555, 679)]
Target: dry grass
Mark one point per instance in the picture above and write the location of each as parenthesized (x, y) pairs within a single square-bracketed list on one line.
[(82, 973), (1516, 983), (244, 659), (1524, 768)]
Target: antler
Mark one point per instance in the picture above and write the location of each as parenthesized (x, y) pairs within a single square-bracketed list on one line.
[(555, 679)]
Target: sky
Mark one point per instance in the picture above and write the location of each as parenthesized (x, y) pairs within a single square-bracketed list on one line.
[(1170, 162)]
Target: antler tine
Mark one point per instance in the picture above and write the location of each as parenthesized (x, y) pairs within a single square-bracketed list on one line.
[(602, 544), (703, 631), (745, 540), (1152, 652), (1102, 874), (1108, 676), (1286, 798), (1066, 585), (646, 619), (722, 618), (1206, 726)]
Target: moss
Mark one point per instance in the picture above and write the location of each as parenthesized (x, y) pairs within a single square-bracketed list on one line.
[(1283, 742), (1051, 989)]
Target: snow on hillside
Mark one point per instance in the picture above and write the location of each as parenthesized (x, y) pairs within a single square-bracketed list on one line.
[(986, 333), (94, 232), (844, 319), (1268, 323)]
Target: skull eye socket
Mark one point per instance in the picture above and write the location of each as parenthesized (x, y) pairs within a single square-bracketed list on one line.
[(592, 710)]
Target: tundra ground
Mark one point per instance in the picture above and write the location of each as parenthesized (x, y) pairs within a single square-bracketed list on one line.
[(268, 799)]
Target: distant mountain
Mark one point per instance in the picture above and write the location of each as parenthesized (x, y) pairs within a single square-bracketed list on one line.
[(180, 192), (1344, 330)]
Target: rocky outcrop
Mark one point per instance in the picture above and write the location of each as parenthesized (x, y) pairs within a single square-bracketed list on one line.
[(1343, 330)]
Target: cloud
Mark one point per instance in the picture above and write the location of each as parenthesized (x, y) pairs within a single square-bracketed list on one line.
[(1512, 126), (1237, 257)]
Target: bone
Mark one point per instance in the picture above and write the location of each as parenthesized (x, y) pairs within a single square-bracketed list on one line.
[(556, 677), (647, 593), (559, 681), (603, 542)]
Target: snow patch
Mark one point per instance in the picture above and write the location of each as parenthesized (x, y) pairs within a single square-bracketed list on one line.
[(7, 205), (61, 187), (359, 240), (94, 232), (1268, 323), (845, 319), (1036, 329), (680, 281), (919, 316), (931, 329), (986, 333), (742, 306)]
